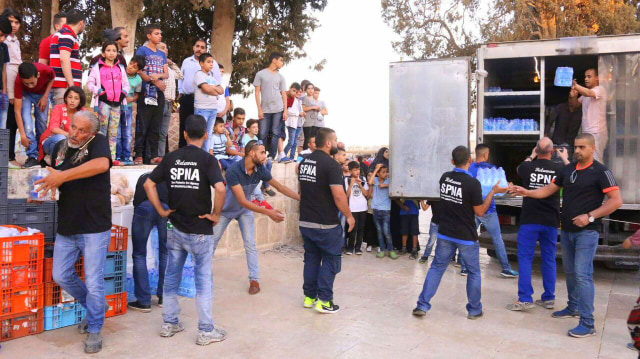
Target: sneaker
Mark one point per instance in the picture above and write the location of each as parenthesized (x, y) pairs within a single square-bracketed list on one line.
[(168, 329), (519, 306), (464, 272), (160, 301), (14, 164), (475, 316), (116, 163), (419, 312), (393, 255), (348, 252), (565, 313), (285, 159), (402, 251), (214, 336), (309, 302), (266, 205), (127, 162), (326, 307), (423, 260), (380, 255), (156, 160), (93, 343), (359, 252), (30, 163), (547, 304), (379, 250), (414, 255), (509, 273), (369, 248), (581, 331), (270, 192), (144, 308)]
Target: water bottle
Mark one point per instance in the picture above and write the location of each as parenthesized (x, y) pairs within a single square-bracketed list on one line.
[(35, 175), (536, 126)]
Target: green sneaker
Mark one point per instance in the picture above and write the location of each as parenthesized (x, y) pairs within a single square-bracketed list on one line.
[(393, 255), (380, 254), (326, 307), (309, 302)]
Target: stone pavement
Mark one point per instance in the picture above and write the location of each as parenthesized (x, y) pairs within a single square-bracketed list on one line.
[(376, 297)]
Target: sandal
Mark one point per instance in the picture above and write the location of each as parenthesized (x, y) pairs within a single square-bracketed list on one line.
[(137, 161)]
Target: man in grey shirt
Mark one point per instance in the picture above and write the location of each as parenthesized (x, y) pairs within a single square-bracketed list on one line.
[(320, 123), (271, 99), (311, 108)]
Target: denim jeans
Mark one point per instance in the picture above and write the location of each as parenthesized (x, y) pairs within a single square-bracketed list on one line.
[(164, 128), (4, 109), (270, 123), (492, 224), (90, 293), (30, 103), (123, 139), (247, 229), (528, 235), (109, 117), (382, 220), (322, 261), (145, 218), (50, 142), (578, 251), (445, 250), (210, 116), (200, 246), (433, 235), (292, 144)]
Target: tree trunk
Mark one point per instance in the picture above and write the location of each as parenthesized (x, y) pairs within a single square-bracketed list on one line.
[(125, 13), (46, 18), (55, 8), (224, 24), (3, 4)]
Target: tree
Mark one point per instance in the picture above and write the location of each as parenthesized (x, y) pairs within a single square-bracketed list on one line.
[(125, 13), (427, 29)]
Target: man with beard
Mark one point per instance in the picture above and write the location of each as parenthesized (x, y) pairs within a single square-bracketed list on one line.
[(64, 55), (81, 174), (242, 179)]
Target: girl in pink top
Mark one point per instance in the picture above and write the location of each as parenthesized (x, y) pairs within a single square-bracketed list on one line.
[(58, 129)]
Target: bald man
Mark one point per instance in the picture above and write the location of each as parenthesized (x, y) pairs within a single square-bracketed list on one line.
[(539, 222), (585, 184)]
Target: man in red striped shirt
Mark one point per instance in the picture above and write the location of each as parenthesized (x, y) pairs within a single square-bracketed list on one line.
[(64, 55)]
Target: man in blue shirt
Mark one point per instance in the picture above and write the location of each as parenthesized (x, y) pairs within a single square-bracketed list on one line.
[(490, 219), (242, 179)]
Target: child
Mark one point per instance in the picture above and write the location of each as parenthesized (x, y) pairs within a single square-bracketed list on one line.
[(251, 133), (206, 100), (357, 192), (235, 129), (60, 122), (10, 73), (409, 223), (108, 82), (219, 143), (295, 115), (381, 204), (123, 139)]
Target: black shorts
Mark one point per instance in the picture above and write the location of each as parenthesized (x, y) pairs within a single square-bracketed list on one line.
[(409, 224)]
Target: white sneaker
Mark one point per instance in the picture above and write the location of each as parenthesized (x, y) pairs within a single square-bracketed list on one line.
[(369, 248)]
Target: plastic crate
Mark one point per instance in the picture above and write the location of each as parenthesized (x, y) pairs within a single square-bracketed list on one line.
[(117, 304), (4, 147), (17, 300), (20, 325), (4, 181), (40, 216), (54, 294), (115, 263), (21, 274), (119, 238), (63, 315), (48, 267), (114, 284), (22, 248)]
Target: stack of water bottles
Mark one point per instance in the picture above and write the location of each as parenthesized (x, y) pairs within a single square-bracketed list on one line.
[(488, 177), (498, 89), (495, 124), (564, 77)]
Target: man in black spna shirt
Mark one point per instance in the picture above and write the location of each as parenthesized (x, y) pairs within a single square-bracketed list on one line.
[(460, 201)]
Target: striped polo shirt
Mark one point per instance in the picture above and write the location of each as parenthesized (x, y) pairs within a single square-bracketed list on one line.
[(65, 39)]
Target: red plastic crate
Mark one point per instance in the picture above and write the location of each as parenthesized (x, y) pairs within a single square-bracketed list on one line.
[(117, 304), (20, 325), (22, 248), (48, 267), (54, 295), (20, 274), (17, 300), (119, 238)]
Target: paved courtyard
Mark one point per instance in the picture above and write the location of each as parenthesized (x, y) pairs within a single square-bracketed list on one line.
[(376, 297)]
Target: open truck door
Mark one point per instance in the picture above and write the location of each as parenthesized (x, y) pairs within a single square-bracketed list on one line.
[(429, 113)]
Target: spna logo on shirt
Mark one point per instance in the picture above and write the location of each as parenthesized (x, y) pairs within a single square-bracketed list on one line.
[(542, 176), (308, 169), (451, 188), (185, 174)]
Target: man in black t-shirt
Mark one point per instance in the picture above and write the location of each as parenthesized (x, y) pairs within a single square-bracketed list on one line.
[(539, 221), (585, 184), (81, 174), (460, 201), (189, 173), (322, 195)]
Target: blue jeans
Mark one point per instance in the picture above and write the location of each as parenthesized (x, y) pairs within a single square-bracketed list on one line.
[(445, 250), (123, 139), (382, 221), (200, 246), (90, 294), (492, 224), (50, 142), (247, 229), (528, 235), (30, 103), (433, 235), (270, 122), (4, 109), (322, 261), (210, 116), (578, 251), (145, 218), (292, 144)]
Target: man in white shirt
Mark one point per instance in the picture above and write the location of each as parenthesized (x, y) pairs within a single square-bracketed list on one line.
[(594, 104)]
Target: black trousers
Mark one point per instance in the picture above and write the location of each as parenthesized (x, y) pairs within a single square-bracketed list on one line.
[(186, 109), (357, 234), (148, 122), (12, 125), (308, 132), (370, 232)]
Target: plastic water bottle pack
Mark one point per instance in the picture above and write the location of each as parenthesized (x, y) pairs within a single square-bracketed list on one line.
[(488, 177), (564, 77)]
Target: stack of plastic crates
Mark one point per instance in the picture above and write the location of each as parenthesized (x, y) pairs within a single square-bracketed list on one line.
[(62, 309), (21, 288)]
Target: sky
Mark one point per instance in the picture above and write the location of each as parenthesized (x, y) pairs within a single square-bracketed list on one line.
[(355, 80)]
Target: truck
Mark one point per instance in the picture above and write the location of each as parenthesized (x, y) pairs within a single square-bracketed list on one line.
[(435, 103)]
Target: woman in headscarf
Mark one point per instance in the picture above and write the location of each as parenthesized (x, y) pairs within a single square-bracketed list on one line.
[(381, 157)]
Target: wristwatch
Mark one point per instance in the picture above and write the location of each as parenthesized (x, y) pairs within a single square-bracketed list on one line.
[(591, 218)]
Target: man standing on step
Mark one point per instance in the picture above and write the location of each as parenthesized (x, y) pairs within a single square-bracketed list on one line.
[(242, 179)]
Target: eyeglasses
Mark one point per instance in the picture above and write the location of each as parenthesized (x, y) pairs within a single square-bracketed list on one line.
[(574, 176)]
